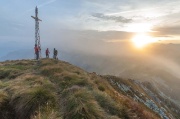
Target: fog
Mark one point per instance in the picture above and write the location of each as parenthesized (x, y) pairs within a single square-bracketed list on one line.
[(105, 54), (160, 69), (158, 63)]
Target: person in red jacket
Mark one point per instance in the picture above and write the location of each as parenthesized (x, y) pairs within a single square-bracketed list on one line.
[(36, 51), (47, 53)]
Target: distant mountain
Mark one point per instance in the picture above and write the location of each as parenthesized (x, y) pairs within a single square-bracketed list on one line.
[(54, 89), (20, 54)]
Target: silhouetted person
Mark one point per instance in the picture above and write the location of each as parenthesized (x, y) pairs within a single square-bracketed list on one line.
[(54, 55), (47, 53), (36, 51)]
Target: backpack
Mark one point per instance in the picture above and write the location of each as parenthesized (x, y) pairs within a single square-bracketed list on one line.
[(47, 51), (55, 52)]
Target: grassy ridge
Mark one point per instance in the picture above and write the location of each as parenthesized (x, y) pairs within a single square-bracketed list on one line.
[(51, 89)]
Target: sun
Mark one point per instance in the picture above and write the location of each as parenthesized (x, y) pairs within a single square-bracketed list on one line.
[(142, 39)]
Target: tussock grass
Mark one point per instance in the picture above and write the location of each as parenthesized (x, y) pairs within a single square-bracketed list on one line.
[(19, 67), (4, 73), (3, 84), (47, 115), (3, 97), (6, 110), (47, 62), (69, 81), (101, 88), (27, 82), (14, 74), (79, 103), (113, 117), (110, 106), (9, 73), (51, 70), (25, 63), (77, 72), (36, 81), (51, 89), (27, 103)]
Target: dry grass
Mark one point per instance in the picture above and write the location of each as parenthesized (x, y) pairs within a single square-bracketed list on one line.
[(28, 103), (47, 115), (6, 110), (52, 89), (51, 70), (110, 106), (78, 103)]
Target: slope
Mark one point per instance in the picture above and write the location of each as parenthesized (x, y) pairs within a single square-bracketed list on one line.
[(147, 94), (51, 89)]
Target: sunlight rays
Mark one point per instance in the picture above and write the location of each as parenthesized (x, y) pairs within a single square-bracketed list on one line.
[(142, 39)]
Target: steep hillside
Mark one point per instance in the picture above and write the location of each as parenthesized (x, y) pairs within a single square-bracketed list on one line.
[(163, 72), (147, 94), (50, 89)]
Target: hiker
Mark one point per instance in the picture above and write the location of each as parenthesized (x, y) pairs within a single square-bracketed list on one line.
[(36, 51), (47, 53), (54, 55)]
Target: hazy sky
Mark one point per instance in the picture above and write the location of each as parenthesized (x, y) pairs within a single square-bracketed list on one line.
[(71, 21)]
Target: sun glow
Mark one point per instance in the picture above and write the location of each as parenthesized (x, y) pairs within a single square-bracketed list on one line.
[(141, 40)]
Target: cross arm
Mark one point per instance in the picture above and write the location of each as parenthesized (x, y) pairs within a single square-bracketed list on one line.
[(36, 18)]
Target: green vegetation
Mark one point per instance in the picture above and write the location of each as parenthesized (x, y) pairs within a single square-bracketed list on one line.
[(78, 103), (51, 89), (27, 103), (110, 106), (101, 88)]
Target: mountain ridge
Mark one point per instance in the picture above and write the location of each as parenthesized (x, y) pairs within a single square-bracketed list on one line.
[(54, 89)]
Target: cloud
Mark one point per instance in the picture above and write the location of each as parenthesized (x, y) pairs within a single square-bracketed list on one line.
[(167, 30), (41, 5), (112, 18), (46, 3)]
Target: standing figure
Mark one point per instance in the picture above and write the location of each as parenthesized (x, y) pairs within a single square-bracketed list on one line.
[(54, 53), (47, 53), (36, 51)]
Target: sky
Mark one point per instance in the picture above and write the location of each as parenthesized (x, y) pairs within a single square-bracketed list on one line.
[(77, 23)]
